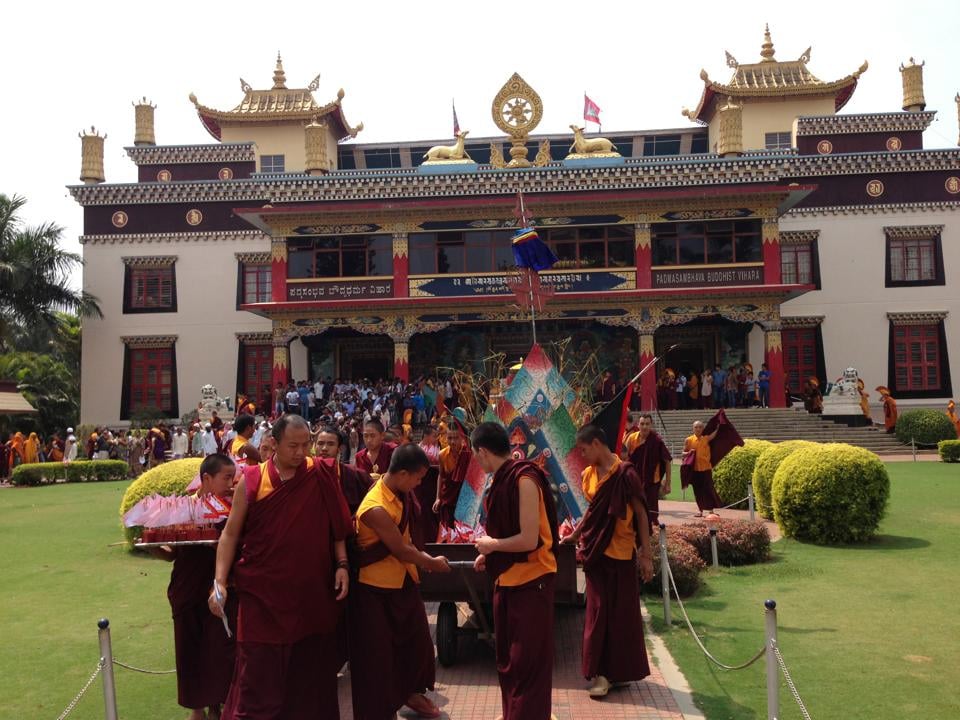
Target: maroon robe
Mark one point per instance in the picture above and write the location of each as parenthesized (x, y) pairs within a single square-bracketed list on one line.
[(286, 631), (450, 484), (522, 615), (613, 644), (354, 483), (382, 461), (204, 653), (391, 652), (647, 459)]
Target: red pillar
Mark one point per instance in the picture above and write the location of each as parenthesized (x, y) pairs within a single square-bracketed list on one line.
[(648, 382), (281, 363), (644, 257), (278, 270), (774, 360), (401, 266), (771, 252), (401, 365)]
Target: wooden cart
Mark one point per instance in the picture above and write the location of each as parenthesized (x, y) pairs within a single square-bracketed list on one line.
[(464, 585)]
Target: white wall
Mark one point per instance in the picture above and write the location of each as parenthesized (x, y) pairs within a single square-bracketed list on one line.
[(206, 321), (854, 301)]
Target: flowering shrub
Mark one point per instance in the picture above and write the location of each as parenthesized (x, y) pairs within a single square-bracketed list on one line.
[(764, 469), (732, 474), (925, 427), (739, 542), (685, 564)]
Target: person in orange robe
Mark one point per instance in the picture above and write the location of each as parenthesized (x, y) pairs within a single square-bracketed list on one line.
[(290, 523), (31, 449), (241, 449), (454, 461), (696, 449), (391, 654), (889, 408), (954, 418), (653, 463), (375, 456), (519, 553), (16, 450), (613, 528), (204, 651)]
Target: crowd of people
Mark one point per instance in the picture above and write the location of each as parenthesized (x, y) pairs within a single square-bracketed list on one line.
[(735, 387)]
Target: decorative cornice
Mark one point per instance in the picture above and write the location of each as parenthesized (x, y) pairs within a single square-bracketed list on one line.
[(253, 258), (184, 237), (864, 123), (912, 231), (148, 341), (801, 321), (872, 163), (150, 260), (256, 338), (920, 317), (887, 208), (190, 154), (798, 237)]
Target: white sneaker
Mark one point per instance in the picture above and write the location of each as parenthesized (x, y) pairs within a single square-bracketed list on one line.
[(600, 687)]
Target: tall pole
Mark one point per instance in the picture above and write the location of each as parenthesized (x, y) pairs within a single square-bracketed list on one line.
[(533, 309)]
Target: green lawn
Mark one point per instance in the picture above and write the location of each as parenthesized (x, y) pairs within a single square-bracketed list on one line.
[(867, 631)]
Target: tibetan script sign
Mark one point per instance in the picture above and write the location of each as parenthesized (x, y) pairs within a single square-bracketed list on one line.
[(572, 281), (708, 277), (339, 290)]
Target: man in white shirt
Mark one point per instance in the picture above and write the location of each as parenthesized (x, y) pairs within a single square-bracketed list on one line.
[(179, 444), (293, 401), (209, 440)]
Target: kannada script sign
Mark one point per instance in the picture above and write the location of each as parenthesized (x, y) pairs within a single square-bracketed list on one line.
[(707, 277), (339, 290)]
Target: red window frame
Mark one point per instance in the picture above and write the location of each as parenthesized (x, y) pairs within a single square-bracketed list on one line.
[(916, 357), (257, 372), (912, 259), (150, 288), (151, 378), (799, 355), (256, 283), (796, 264)]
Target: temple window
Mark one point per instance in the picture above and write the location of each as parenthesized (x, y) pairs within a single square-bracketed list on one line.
[(340, 256), (799, 264), (661, 145), (778, 140), (800, 355), (149, 285), (255, 282), (382, 158), (272, 163), (914, 256), (707, 243), (918, 360), (257, 369), (150, 377)]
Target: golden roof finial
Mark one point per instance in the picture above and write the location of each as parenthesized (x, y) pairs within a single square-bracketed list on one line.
[(279, 77), (766, 50)]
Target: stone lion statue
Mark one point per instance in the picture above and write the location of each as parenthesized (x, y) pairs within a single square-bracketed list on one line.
[(847, 385)]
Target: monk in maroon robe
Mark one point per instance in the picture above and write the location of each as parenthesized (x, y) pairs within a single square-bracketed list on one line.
[(454, 461), (354, 482), (612, 529), (291, 521), (653, 462), (391, 654), (204, 651), (519, 554), (375, 456)]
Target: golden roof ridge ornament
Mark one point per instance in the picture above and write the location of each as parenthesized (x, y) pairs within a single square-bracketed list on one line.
[(517, 109), (766, 49), (279, 76)]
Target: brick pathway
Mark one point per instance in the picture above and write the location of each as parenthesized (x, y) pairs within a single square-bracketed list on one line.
[(469, 690)]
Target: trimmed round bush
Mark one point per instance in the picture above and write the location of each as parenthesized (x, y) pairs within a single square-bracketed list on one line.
[(169, 478), (764, 469), (830, 494), (739, 542), (949, 450), (735, 471), (685, 564), (925, 427)]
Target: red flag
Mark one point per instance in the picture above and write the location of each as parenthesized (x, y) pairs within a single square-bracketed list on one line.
[(591, 111), (456, 123)]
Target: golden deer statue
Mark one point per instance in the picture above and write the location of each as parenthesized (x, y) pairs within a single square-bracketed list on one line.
[(449, 152), (590, 146)]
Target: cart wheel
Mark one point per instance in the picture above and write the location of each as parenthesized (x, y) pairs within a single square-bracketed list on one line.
[(447, 633)]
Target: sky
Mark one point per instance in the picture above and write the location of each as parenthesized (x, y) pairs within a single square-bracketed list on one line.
[(67, 66)]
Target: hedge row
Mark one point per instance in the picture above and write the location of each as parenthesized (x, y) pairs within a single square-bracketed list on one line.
[(30, 474), (949, 450)]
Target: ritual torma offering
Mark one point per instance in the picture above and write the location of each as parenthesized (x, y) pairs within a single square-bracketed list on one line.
[(178, 520)]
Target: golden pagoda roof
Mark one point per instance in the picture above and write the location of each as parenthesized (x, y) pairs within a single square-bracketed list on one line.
[(771, 78), (278, 104)]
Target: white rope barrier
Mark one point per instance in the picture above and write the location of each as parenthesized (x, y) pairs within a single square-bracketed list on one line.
[(83, 690), (786, 676), (141, 670)]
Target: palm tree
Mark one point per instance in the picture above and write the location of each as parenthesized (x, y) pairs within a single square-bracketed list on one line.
[(33, 276)]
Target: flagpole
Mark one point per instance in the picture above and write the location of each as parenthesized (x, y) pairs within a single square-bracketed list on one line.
[(533, 309)]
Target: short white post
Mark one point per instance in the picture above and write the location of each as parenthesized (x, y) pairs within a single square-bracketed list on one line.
[(713, 548), (665, 575), (106, 657), (773, 670), (750, 502), (913, 446)]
